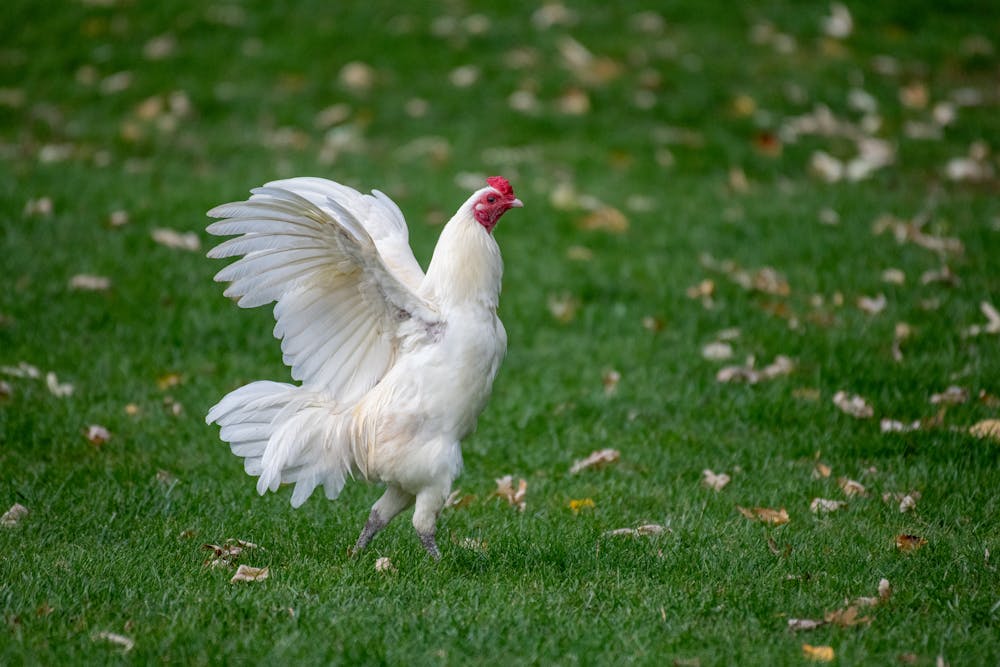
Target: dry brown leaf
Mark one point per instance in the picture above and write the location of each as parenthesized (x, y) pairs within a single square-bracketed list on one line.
[(126, 643), (228, 552), (597, 459), (847, 618), (839, 24), (765, 515), (853, 405), (817, 653), (821, 470), (97, 434), (579, 504), (563, 306), (895, 426), (906, 542), (13, 516), (383, 564), (987, 428), (89, 283), (505, 490), (824, 506), (851, 487), (610, 379), (457, 501), (714, 481), (179, 240), (704, 289), (606, 219), (248, 573)]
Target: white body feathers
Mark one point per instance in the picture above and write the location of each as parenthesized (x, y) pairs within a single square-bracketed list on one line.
[(395, 366)]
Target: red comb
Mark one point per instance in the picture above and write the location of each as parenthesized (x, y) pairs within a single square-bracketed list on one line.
[(501, 185)]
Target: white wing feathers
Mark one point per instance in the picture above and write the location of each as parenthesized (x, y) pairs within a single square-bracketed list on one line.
[(340, 267)]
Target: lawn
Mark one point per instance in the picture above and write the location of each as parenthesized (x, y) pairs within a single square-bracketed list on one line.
[(732, 214)]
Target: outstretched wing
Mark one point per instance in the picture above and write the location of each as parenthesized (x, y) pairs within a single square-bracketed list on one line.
[(333, 259)]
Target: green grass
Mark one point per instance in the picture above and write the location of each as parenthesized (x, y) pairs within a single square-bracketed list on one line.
[(111, 544)]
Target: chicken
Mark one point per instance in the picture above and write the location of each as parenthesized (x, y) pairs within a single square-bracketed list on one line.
[(395, 366)]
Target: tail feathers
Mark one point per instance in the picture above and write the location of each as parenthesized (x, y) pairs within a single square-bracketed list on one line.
[(287, 435)]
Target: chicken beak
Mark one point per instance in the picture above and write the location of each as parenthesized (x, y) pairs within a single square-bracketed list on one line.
[(517, 203)]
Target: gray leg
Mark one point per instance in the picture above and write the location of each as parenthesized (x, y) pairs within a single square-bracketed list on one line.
[(429, 504), (392, 502)]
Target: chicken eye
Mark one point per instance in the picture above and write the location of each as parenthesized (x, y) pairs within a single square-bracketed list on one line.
[(491, 199)]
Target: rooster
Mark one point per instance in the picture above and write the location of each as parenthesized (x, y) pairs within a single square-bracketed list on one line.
[(395, 365)]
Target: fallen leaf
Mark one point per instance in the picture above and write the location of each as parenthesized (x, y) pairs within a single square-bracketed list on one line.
[(824, 506), (97, 434), (610, 379), (464, 76), (704, 289), (247, 573), (41, 206), (911, 231), (851, 487), (457, 501), (781, 365), (893, 277), (798, 624), (817, 653), (383, 564), (853, 405), (121, 640), (992, 325), (14, 515), (597, 459), (884, 590), (168, 380), (563, 307), (821, 470), (357, 76), (839, 23), (901, 332), (894, 426), (228, 552), (579, 253), (56, 388), (765, 515), (583, 503), (646, 529), (90, 283), (717, 351), (714, 481), (987, 428), (505, 490), (474, 544), (606, 219), (174, 239), (6, 391), (22, 370), (847, 618), (872, 305), (909, 542)]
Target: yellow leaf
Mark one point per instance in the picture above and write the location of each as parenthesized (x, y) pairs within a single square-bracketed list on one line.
[(817, 653), (577, 505)]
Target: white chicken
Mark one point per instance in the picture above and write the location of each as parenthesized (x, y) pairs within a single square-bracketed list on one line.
[(395, 365)]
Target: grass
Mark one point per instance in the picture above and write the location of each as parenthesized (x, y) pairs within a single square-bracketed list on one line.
[(113, 541)]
